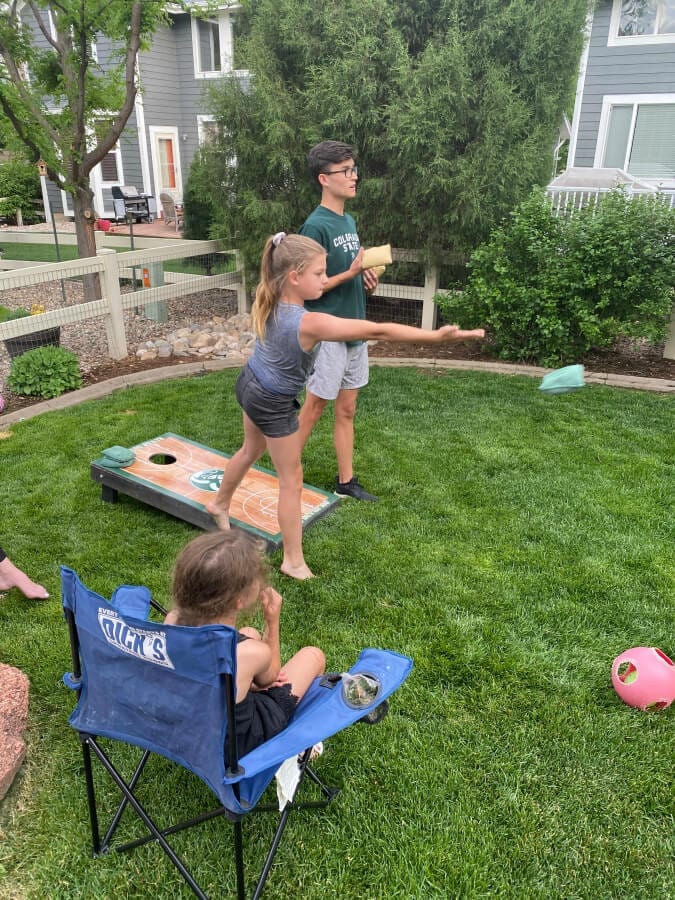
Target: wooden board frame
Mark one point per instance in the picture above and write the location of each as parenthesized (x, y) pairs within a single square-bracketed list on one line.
[(135, 481)]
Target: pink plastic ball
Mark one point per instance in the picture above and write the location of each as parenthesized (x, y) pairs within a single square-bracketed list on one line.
[(2, 403), (644, 677)]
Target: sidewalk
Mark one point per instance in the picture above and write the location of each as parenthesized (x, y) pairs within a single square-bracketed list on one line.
[(150, 376)]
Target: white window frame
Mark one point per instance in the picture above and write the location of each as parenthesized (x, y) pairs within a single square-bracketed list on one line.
[(616, 40), (202, 121), (98, 184), (636, 100), (224, 22)]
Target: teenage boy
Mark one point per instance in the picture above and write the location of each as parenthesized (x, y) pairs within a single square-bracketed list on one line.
[(340, 369)]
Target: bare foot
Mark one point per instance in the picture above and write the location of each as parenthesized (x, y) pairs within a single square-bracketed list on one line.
[(219, 515), (11, 577), (300, 573)]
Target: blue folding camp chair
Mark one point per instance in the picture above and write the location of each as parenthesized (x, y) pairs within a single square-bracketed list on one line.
[(171, 691)]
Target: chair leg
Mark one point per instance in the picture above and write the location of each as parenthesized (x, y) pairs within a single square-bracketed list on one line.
[(239, 861), (328, 793), (123, 805), (106, 762), (91, 798)]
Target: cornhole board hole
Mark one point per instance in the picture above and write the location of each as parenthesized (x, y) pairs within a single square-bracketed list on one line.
[(177, 475)]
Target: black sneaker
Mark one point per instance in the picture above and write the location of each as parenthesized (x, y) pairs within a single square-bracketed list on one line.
[(353, 489)]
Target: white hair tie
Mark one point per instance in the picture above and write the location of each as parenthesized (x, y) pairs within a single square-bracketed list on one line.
[(278, 238)]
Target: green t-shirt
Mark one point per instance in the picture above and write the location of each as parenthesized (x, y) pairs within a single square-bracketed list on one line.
[(337, 235)]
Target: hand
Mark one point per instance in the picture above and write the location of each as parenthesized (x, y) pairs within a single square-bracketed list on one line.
[(357, 265), (370, 280), (282, 678), (270, 601), (455, 333)]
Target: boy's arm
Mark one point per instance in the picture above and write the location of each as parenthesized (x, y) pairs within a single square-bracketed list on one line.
[(310, 231), (354, 270)]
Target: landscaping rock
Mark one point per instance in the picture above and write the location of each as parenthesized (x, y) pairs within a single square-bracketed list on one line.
[(218, 337), (13, 720)]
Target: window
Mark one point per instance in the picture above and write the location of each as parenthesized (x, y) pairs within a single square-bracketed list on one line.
[(638, 135), (642, 21), (208, 37), (167, 164), (207, 128), (109, 167), (212, 46)]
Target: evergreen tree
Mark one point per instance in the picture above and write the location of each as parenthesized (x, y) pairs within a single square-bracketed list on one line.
[(453, 107)]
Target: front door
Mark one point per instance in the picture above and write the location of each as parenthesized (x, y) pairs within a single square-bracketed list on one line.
[(166, 172)]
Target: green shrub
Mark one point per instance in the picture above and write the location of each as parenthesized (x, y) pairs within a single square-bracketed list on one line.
[(198, 198), (551, 288), (45, 372), (7, 314), (19, 189)]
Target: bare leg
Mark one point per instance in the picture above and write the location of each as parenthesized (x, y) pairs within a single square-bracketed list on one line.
[(311, 412), (250, 452), (301, 669), (343, 433), (250, 632), (285, 453), (11, 577)]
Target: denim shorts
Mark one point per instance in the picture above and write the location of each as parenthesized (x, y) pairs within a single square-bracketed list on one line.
[(276, 415)]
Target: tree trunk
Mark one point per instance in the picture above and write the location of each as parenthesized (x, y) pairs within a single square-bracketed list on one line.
[(83, 209)]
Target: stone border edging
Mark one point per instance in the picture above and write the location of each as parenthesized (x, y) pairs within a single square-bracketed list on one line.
[(150, 376)]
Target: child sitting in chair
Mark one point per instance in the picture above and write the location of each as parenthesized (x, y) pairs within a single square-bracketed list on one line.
[(217, 576)]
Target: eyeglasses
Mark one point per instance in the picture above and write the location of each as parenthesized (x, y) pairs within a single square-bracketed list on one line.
[(348, 172)]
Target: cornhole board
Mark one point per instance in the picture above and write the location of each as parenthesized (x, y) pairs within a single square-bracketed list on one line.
[(177, 475)]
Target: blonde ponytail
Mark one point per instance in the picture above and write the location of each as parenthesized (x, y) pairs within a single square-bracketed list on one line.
[(282, 254)]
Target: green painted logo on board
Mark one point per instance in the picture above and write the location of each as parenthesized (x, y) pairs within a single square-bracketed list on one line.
[(207, 479)]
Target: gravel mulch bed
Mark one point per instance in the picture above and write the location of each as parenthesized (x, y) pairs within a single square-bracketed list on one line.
[(88, 339)]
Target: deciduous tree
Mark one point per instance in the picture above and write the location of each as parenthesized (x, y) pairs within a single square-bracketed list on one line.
[(65, 105)]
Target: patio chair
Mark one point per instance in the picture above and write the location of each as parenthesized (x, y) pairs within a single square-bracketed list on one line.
[(171, 211), (170, 691)]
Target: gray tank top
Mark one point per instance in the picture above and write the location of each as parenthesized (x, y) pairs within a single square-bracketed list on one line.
[(279, 362)]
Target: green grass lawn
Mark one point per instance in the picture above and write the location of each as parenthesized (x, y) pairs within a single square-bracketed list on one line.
[(213, 264), (521, 542), (38, 252)]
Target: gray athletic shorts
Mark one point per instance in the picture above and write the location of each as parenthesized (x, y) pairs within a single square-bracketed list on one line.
[(276, 415), (338, 367)]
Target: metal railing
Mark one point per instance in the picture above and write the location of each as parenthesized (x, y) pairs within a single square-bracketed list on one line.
[(570, 199)]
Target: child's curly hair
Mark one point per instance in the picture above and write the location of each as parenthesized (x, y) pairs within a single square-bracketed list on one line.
[(212, 571)]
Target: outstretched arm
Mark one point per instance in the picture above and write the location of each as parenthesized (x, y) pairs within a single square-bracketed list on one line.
[(315, 327)]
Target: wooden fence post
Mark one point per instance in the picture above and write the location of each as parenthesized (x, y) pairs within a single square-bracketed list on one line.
[(114, 320), (669, 349), (429, 310), (243, 305)]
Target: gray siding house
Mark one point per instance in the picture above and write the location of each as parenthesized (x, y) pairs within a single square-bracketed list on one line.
[(170, 118), (624, 114)]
